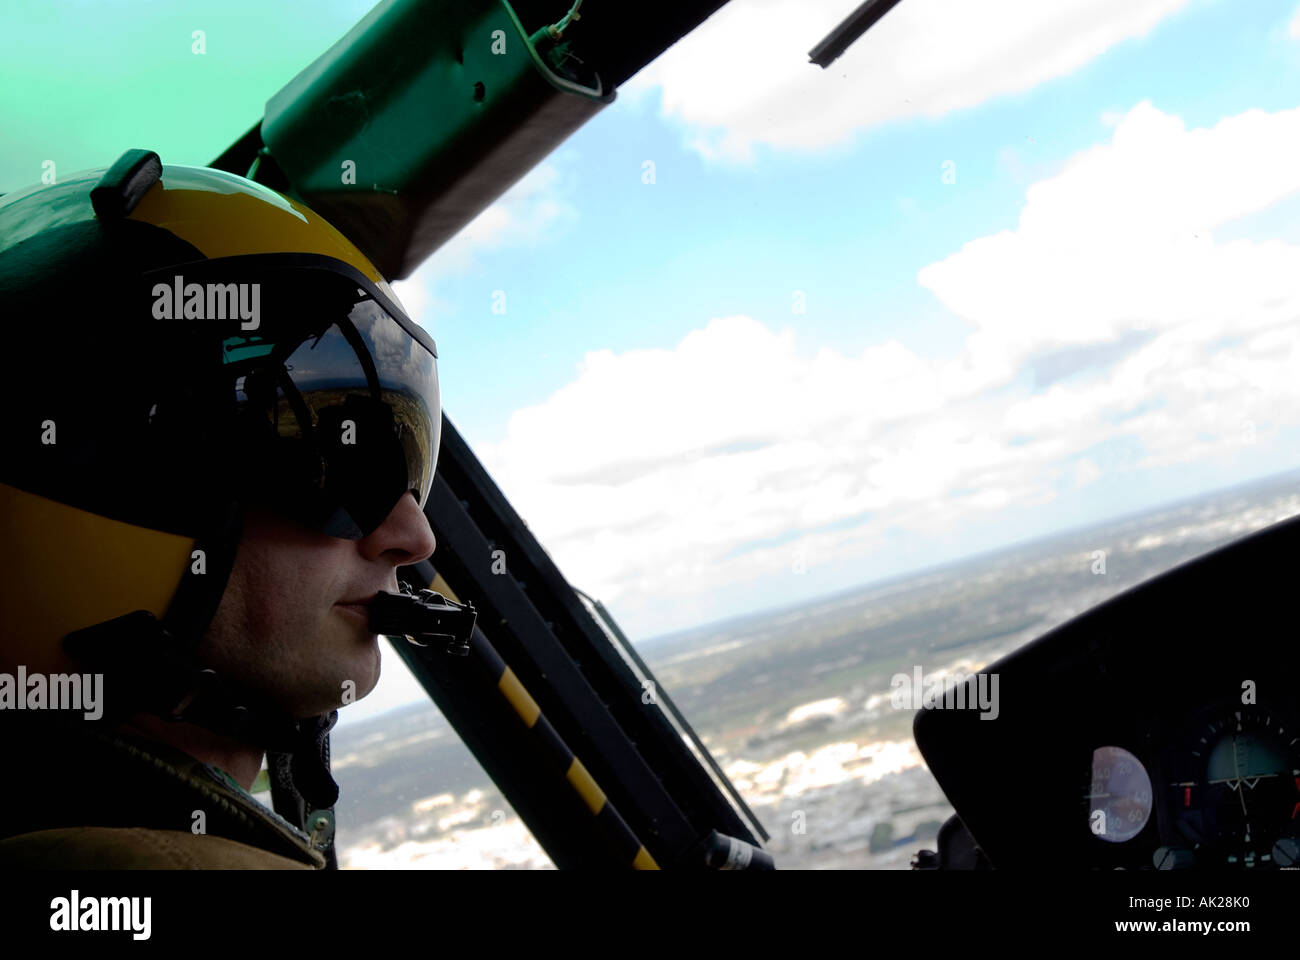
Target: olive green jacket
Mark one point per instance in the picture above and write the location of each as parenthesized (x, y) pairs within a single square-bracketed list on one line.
[(104, 801)]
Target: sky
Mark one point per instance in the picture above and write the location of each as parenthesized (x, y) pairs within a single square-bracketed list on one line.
[(760, 331)]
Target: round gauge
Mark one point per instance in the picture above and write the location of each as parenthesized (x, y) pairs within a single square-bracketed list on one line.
[(1237, 789), (1120, 796)]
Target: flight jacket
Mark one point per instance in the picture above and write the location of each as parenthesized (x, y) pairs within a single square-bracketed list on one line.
[(97, 800)]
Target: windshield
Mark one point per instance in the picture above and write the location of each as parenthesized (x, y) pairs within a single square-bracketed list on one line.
[(880, 372), (832, 383)]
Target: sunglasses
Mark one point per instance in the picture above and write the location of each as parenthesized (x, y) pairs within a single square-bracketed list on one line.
[(330, 391)]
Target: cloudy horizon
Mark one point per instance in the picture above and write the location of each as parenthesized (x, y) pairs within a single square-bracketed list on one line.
[(1051, 327)]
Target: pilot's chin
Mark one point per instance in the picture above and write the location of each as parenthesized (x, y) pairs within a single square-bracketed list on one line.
[(350, 691)]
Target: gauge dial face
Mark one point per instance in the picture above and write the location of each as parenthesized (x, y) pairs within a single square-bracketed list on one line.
[(1236, 790), (1120, 797)]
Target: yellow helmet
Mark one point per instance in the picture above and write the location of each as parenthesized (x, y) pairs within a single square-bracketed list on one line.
[(182, 343)]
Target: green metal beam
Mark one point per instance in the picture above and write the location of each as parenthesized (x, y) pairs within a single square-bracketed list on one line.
[(420, 117)]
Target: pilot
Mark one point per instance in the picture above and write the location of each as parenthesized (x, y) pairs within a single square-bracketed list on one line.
[(195, 512)]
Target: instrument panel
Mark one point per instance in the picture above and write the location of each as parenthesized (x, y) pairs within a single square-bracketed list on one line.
[(1159, 730), (1223, 795)]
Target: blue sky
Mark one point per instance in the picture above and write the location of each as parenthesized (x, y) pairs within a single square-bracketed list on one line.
[(1004, 269), (632, 266), (758, 194)]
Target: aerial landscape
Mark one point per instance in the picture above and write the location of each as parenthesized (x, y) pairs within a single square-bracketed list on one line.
[(794, 703)]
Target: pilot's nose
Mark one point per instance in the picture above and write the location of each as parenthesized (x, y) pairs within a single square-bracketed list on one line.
[(404, 537)]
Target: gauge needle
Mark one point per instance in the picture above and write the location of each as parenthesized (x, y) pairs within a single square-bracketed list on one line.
[(1241, 794)]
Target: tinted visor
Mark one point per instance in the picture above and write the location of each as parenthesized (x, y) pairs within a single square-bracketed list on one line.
[(336, 408)]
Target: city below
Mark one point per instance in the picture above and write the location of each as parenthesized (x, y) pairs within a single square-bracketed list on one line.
[(795, 705)]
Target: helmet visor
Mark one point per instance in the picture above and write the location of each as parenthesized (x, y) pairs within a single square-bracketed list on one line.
[(333, 390)]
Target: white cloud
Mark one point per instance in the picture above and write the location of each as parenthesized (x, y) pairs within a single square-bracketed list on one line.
[(527, 214), (1085, 472), (743, 77), (521, 217), (1294, 28), (680, 472), (1122, 240)]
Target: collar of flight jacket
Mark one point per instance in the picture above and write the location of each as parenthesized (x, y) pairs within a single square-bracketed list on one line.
[(105, 779)]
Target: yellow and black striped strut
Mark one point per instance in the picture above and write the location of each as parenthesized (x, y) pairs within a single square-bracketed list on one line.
[(562, 759)]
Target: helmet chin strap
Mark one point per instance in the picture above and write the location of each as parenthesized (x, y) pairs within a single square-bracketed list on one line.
[(302, 789)]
